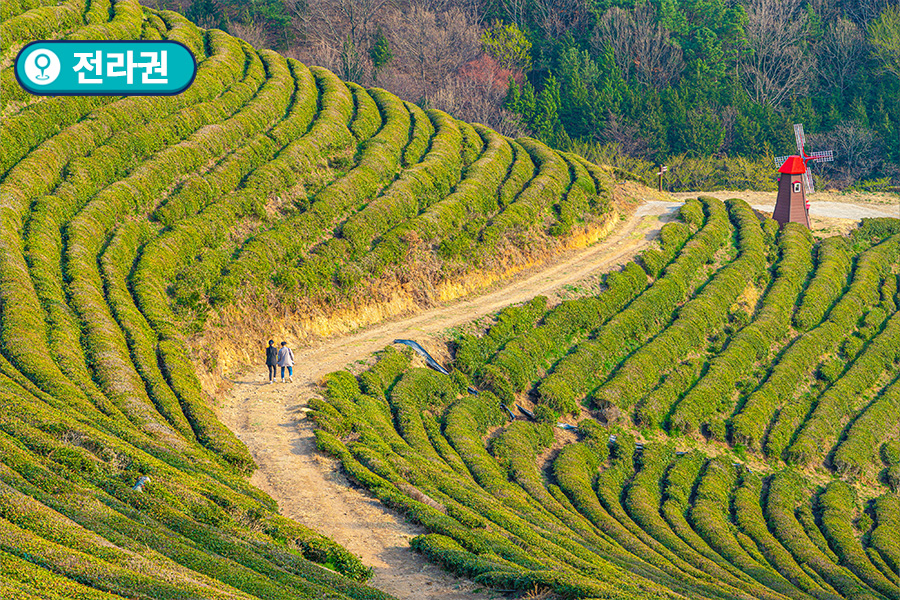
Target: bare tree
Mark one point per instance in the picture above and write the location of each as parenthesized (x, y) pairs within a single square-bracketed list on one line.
[(251, 32), (840, 54), (345, 27), (516, 11), (858, 152), (472, 101), (626, 137), (865, 11), (643, 50), (775, 67), (826, 10), (431, 46), (556, 17)]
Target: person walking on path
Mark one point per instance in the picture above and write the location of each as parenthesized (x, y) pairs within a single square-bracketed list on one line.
[(271, 360), (286, 359)]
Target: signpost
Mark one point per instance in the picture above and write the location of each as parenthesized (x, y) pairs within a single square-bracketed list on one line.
[(662, 169)]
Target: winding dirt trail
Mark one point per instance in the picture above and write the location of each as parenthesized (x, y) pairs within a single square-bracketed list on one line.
[(309, 486)]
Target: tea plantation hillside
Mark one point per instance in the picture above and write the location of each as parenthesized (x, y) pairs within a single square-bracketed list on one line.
[(124, 222), (737, 398)]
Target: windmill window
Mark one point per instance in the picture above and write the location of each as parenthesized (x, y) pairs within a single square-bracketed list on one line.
[(797, 188)]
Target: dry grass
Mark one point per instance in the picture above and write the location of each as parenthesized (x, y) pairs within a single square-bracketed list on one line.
[(239, 332)]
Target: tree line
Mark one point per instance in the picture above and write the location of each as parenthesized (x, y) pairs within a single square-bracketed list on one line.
[(644, 82)]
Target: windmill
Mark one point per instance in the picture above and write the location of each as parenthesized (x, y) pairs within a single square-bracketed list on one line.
[(791, 205), (816, 157)]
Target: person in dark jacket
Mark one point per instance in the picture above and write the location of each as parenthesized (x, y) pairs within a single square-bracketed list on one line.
[(271, 360)]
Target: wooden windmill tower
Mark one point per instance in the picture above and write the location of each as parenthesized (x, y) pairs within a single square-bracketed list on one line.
[(796, 182)]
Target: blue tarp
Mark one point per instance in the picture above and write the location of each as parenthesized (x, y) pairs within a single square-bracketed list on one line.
[(525, 411), (431, 362)]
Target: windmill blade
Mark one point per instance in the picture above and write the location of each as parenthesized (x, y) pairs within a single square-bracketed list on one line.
[(822, 156), (801, 139), (779, 160), (808, 182)]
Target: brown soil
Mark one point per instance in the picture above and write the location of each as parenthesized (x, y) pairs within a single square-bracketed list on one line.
[(309, 486)]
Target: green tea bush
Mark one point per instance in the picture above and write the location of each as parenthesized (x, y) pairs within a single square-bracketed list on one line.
[(836, 505), (575, 203), (366, 114), (582, 369), (672, 238), (642, 499), (519, 363), (713, 492), (706, 311), (885, 538), (513, 321), (40, 22), (750, 520), (750, 424), (858, 451), (530, 206), (712, 395), (828, 283), (873, 230), (846, 398), (786, 491)]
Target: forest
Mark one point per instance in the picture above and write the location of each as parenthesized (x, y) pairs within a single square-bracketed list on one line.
[(706, 86)]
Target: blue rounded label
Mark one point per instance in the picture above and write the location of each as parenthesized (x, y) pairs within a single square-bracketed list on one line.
[(105, 68)]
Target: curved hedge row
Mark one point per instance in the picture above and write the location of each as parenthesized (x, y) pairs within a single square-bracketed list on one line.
[(643, 498), (844, 399), (885, 538), (859, 450), (580, 371), (833, 263), (750, 519), (785, 493), (713, 393), (378, 161), (704, 313), (518, 365), (836, 504), (472, 353), (750, 424)]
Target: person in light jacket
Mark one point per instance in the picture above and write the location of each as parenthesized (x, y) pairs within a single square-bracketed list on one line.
[(286, 359), (271, 360)]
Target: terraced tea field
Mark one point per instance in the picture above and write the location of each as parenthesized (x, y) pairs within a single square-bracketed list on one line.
[(126, 223), (722, 420), (731, 398)]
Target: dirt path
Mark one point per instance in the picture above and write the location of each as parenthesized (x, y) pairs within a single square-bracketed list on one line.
[(310, 488)]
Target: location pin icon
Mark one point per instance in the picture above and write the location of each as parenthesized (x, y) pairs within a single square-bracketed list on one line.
[(42, 61)]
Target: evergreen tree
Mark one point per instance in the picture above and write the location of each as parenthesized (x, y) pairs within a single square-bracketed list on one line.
[(379, 53)]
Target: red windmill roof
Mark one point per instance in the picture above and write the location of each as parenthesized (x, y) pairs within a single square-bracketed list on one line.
[(794, 165)]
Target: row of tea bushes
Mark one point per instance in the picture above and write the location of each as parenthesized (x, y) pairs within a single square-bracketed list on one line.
[(581, 370), (704, 313), (712, 395), (751, 423)]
